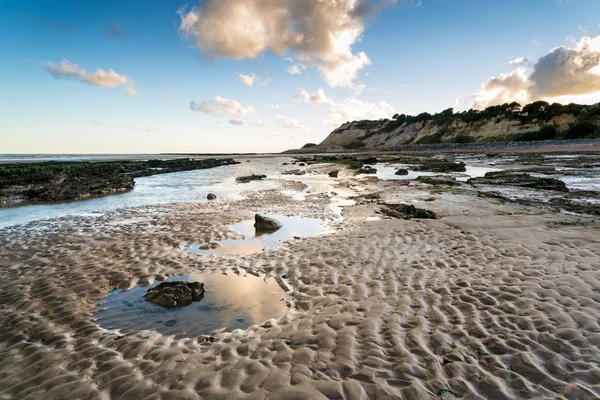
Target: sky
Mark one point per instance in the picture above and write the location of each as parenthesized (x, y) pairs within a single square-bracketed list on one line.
[(219, 76)]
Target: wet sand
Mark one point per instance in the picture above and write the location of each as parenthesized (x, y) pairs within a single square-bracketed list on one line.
[(489, 301)]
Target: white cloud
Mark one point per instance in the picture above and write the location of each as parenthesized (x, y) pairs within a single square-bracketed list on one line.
[(563, 73), (220, 106), (349, 109), (321, 33), (289, 122), (235, 121), (273, 106), (294, 69), (248, 80), (260, 122), (101, 78)]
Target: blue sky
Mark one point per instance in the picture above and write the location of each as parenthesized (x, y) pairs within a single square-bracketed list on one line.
[(421, 57)]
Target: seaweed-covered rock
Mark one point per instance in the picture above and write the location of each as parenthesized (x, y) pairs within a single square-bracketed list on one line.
[(175, 294), (508, 178), (405, 211), (367, 170), (211, 196), (266, 224), (248, 178), (439, 180), (401, 171), (441, 166), (333, 174)]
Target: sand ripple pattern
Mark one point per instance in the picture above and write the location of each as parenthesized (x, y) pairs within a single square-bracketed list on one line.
[(387, 310)]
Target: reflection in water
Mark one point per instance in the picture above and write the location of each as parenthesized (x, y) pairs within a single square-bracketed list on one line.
[(230, 301), (389, 172), (174, 187), (292, 227)]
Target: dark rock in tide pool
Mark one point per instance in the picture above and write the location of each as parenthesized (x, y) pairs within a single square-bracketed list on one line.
[(175, 294), (302, 164), (401, 172), (333, 174), (248, 178), (211, 196), (367, 170), (210, 246), (266, 224)]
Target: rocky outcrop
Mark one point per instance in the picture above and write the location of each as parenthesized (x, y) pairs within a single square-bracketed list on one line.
[(64, 181), (405, 211), (248, 178), (507, 178), (175, 294), (266, 224), (211, 196)]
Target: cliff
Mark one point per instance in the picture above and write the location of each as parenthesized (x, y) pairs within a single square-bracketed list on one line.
[(508, 122)]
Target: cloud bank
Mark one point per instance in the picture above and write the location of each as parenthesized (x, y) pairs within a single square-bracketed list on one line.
[(349, 109), (101, 78), (563, 73), (220, 106), (320, 33)]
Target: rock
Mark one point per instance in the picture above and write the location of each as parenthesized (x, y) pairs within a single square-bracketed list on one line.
[(175, 294), (521, 180), (266, 224), (284, 163), (333, 174), (211, 196), (302, 164), (401, 171), (248, 178), (367, 170), (210, 246), (294, 172), (441, 166), (404, 211), (439, 180)]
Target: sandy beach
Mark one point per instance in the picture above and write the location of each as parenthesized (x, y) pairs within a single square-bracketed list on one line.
[(489, 301)]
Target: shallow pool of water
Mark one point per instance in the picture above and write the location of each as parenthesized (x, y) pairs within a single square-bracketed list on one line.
[(293, 227), (230, 301)]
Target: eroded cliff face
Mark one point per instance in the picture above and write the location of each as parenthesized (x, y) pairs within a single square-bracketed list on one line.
[(377, 135)]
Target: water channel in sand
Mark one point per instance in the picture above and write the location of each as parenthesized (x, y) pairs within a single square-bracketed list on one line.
[(293, 227)]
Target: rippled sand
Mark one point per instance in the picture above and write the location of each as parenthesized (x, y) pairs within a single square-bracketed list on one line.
[(477, 304)]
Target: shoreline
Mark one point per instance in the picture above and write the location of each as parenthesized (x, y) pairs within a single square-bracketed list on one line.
[(488, 298)]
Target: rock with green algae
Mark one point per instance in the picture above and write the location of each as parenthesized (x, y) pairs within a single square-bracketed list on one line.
[(508, 178), (175, 294)]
